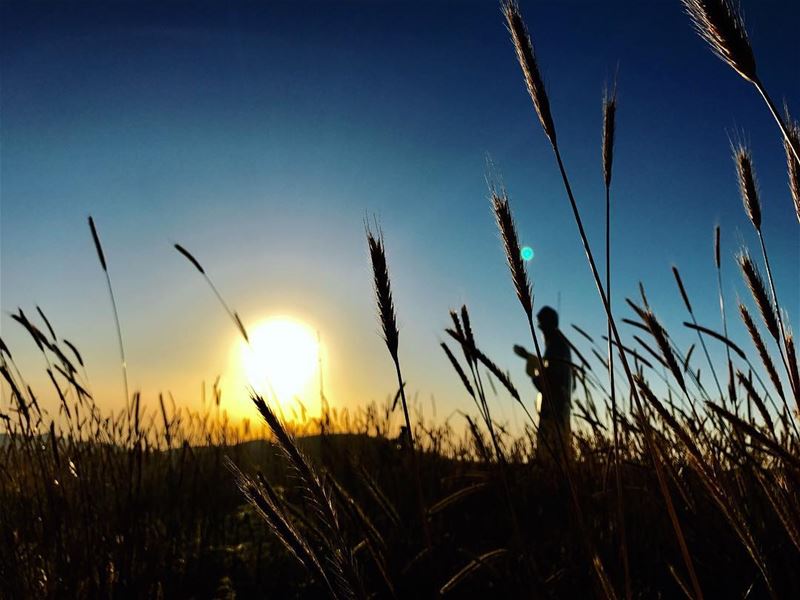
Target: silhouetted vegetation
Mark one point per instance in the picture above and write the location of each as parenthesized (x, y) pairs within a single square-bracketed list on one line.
[(668, 488)]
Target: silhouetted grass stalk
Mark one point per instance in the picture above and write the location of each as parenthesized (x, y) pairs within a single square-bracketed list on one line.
[(748, 189), (519, 274), (688, 305), (767, 310), (535, 85), (721, 25), (232, 314), (729, 345), (464, 335), (609, 131), (718, 265), (519, 277), (792, 165), (104, 265), (391, 336)]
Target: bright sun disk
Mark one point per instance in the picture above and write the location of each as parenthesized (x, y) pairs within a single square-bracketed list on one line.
[(282, 355)]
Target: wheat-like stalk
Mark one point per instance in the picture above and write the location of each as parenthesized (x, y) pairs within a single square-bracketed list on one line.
[(747, 184), (530, 66), (732, 512), (526, 58), (102, 258), (391, 335), (74, 350), (22, 405), (752, 205), (386, 313), (522, 41), (167, 435), (660, 336), (751, 392), (794, 374), (688, 304), (266, 501), (718, 265), (609, 130), (519, 274), (609, 126), (721, 25), (383, 292), (232, 314), (607, 152), (759, 293), (749, 192), (47, 324), (508, 234), (468, 342), (318, 497), (458, 369), (793, 165), (502, 376), (761, 348)]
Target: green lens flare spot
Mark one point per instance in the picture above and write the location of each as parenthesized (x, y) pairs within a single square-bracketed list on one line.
[(526, 253)]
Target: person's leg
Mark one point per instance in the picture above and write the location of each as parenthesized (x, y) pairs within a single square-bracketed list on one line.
[(566, 433), (547, 441)]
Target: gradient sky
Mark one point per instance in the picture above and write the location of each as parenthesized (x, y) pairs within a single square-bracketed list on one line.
[(260, 135)]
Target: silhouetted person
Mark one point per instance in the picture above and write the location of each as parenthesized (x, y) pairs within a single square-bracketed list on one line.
[(402, 439), (554, 382)]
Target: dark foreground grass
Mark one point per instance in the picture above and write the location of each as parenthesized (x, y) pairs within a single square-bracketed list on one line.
[(86, 518)]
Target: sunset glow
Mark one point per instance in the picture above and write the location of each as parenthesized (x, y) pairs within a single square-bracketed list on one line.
[(282, 357)]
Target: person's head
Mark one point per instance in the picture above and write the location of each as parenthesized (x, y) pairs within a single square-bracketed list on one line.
[(547, 319)]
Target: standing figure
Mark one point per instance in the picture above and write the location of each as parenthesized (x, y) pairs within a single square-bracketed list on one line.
[(554, 382)]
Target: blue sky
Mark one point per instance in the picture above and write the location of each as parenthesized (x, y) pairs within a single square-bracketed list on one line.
[(259, 136)]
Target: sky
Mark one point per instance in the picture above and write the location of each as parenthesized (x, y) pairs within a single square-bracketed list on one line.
[(261, 135)]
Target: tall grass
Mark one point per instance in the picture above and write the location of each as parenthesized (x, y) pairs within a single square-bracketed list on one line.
[(102, 258), (721, 25)]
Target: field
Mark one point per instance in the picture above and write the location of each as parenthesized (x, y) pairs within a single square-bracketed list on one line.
[(672, 483)]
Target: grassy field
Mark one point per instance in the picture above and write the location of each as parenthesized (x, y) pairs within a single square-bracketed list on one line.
[(692, 490)]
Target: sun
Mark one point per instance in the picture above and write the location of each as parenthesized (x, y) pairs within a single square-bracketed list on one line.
[(282, 357)]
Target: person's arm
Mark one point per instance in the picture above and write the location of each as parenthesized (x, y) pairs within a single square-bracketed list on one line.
[(539, 373), (537, 381), (533, 370)]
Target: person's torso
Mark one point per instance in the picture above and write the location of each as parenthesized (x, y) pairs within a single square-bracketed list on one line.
[(558, 357)]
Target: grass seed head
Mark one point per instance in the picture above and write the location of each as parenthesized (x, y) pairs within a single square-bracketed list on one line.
[(761, 348), (747, 184), (530, 67), (508, 233), (792, 165), (97, 245), (682, 289), (190, 258), (721, 25), (791, 359), (660, 336), (759, 292), (609, 123), (383, 292)]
